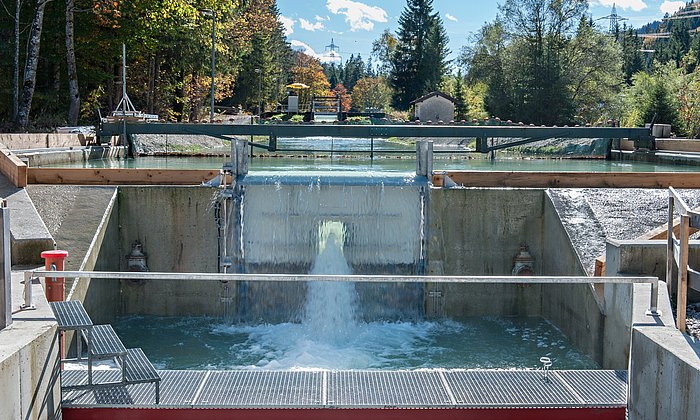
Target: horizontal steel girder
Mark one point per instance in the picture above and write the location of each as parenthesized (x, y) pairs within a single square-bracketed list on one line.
[(376, 131)]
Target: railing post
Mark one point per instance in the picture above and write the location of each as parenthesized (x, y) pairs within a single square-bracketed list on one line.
[(670, 261), (682, 295), (6, 262), (654, 300), (28, 293)]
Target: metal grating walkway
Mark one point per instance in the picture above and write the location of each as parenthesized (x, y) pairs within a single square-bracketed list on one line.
[(366, 389)]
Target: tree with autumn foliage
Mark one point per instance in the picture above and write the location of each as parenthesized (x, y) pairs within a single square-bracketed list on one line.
[(371, 93), (308, 70), (168, 57), (345, 99)]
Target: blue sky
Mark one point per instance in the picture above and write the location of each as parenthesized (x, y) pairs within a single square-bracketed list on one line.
[(354, 24)]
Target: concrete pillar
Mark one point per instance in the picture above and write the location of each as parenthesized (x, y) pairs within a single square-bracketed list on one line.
[(239, 157), (424, 159), (5, 267)]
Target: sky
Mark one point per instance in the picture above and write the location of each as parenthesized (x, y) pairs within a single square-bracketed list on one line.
[(354, 24)]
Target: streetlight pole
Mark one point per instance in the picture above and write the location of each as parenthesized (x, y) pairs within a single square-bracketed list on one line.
[(212, 13), (259, 72)]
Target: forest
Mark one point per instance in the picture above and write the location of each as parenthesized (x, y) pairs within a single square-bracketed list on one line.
[(543, 62)]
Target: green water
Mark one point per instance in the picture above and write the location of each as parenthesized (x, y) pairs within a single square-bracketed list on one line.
[(385, 164), (475, 343)]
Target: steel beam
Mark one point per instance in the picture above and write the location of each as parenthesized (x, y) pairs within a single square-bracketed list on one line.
[(107, 129)]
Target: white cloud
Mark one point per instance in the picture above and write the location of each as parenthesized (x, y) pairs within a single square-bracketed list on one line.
[(288, 24), (326, 57), (671, 7), (360, 16), (320, 18), (635, 5), (309, 26), (305, 48), (450, 17)]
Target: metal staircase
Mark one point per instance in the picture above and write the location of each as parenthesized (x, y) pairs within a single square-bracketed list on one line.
[(133, 367)]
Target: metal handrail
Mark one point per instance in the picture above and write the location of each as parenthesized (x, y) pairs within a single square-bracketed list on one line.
[(292, 278), (677, 254)]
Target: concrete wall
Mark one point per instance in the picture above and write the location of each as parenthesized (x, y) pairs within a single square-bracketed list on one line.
[(572, 308), (478, 232), (100, 296), (29, 386), (177, 229), (664, 364), (41, 140), (664, 375), (77, 155)]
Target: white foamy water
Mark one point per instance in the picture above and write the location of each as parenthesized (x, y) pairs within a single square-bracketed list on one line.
[(329, 312)]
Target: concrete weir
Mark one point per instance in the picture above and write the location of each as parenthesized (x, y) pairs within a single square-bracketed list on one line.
[(463, 232)]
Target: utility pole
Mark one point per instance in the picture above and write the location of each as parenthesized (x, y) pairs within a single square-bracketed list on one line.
[(259, 72), (212, 14)]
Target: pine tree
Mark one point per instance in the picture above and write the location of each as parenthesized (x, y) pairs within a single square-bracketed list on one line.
[(420, 58), (462, 106)]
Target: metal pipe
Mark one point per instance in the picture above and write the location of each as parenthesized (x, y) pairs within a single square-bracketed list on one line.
[(291, 278)]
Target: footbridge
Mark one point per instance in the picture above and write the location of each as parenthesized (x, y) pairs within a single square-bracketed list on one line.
[(510, 135)]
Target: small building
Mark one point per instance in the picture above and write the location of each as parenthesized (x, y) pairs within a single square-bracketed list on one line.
[(435, 106)]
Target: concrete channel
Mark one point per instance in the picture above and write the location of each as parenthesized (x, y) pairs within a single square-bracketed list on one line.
[(471, 231)]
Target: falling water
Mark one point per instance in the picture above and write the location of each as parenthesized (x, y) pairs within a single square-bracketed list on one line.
[(330, 308)]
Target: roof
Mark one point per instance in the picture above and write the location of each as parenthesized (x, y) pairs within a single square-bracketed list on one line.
[(433, 94)]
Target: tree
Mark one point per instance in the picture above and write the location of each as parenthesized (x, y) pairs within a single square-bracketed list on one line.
[(30, 67), (593, 70), (487, 61), (383, 51), (371, 93), (73, 91), (460, 93), (420, 58), (308, 70), (345, 99), (632, 60)]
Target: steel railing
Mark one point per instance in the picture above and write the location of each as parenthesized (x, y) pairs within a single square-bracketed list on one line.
[(677, 254), (291, 278)]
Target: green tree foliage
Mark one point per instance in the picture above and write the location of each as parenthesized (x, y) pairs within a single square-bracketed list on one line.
[(543, 62), (383, 51), (632, 58), (419, 60), (348, 74), (656, 96), (594, 79)]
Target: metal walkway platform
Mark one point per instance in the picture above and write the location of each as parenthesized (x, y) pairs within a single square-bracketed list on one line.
[(348, 394)]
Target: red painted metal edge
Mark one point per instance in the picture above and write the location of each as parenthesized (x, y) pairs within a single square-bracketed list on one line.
[(345, 414)]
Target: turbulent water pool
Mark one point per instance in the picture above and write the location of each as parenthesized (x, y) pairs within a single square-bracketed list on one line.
[(477, 343)]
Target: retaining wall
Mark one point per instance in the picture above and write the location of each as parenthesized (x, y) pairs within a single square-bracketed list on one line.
[(42, 140), (177, 229)]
